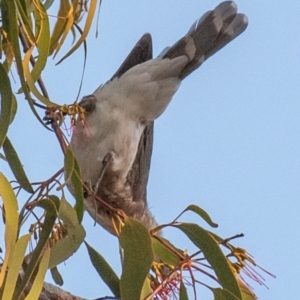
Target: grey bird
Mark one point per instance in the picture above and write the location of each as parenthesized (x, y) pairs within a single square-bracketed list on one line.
[(113, 148)]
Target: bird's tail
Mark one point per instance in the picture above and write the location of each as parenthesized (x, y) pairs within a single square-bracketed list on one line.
[(209, 34)]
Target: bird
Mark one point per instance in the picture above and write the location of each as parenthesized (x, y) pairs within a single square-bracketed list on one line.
[(113, 145)]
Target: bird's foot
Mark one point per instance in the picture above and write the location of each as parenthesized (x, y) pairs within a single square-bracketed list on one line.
[(107, 160)]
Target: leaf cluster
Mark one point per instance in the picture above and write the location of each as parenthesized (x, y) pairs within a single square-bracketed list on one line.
[(152, 266)]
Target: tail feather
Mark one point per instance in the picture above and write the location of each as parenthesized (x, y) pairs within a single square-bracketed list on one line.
[(214, 30)]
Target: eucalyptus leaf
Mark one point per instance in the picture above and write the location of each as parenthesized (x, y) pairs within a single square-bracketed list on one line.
[(87, 26), (38, 282), (212, 252), (104, 270), (11, 222), (73, 174), (56, 276), (14, 266), (42, 39), (67, 246), (183, 292), (164, 253), (200, 212), (6, 104), (50, 217), (16, 166), (138, 257)]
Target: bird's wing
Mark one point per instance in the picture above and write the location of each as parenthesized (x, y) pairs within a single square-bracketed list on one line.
[(141, 52), (139, 173)]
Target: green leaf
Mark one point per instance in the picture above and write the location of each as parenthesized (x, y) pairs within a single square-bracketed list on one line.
[(164, 253), (50, 217), (202, 213), (6, 104), (23, 14), (138, 257), (246, 292), (87, 26), (13, 37), (48, 3), (73, 174), (11, 227), (212, 252), (38, 283), (59, 25), (104, 270), (66, 247), (12, 27), (42, 39), (146, 290), (13, 108), (67, 214), (182, 292), (16, 166), (66, 29), (14, 266), (221, 294), (30, 80), (56, 276), (56, 202)]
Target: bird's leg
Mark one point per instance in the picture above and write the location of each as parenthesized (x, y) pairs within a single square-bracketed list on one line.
[(108, 158), (89, 190)]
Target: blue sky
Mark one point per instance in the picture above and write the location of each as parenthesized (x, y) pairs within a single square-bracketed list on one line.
[(228, 142)]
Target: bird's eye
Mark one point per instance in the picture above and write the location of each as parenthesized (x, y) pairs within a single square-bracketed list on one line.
[(88, 103)]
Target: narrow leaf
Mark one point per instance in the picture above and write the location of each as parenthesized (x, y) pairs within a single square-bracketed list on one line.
[(59, 25), (12, 26), (182, 292), (146, 290), (48, 3), (202, 213), (87, 26), (67, 28), (56, 202), (104, 270), (222, 294), (14, 266), (21, 5), (212, 252), (11, 216), (13, 108), (66, 247), (67, 214), (38, 283), (30, 80), (246, 292), (73, 174), (138, 257), (13, 36), (16, 166), (6, 104), (42, 39), (56, 276), (164, 253), (50, 218)]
